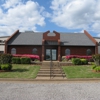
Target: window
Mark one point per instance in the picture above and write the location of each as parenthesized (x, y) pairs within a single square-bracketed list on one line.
[(89, 52), (13, 51), (67, 52), (34, 51)]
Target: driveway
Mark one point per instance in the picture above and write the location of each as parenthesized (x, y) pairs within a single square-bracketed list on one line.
[(50, 91)]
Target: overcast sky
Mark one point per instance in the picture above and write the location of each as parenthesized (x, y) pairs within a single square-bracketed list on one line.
[(43, 15)]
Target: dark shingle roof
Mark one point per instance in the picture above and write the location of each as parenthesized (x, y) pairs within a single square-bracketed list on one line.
[(75, 39), (26, 38), (35, 38)]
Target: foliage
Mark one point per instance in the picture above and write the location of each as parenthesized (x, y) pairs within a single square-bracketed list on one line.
[(96, 58), (94, 66), (25, 60), (5, 58), (76, 61), (27, 55), (97, 69), (84, 61), (6, 66), (16, 60), (89, 58)]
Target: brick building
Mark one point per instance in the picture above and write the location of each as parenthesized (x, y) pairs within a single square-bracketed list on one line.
[(51, 45)]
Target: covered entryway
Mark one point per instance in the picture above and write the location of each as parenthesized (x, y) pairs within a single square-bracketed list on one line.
[(51, 46), (51, 54)]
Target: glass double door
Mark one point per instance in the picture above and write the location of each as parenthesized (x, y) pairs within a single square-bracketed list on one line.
[(51, 54)]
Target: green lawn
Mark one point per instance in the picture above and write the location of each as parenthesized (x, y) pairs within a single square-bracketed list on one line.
[(80, 72), (21, 71)]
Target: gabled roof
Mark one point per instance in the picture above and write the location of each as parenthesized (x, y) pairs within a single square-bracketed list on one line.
[(35, 38), (26, 38), (75, 39)]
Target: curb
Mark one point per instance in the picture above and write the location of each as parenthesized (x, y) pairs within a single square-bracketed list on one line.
[(48, 80)]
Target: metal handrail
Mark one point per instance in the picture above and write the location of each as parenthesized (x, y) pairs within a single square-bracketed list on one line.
[(51, 69), (61, 70)]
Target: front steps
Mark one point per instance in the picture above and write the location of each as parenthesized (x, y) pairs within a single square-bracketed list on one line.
[(50, 70)]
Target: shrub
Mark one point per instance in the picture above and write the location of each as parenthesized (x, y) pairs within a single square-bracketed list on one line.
[(76, 61), (97, 69), (27, 55), (16, 60), (25, 60), (96, 58), (94, 66), (5, 58), (84, 61), (6, 66)]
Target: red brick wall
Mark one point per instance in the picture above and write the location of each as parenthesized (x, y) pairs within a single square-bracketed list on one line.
[(56, 37), (26, 49), (77, 50)]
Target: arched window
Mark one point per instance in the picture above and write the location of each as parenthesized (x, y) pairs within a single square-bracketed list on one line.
[(34, 51), (13, 51), (67, 52), (89, 52)]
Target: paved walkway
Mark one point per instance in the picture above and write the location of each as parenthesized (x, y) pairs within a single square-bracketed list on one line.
[(49, 91)]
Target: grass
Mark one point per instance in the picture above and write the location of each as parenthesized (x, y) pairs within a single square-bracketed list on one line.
[(21, 71), (80, 72)]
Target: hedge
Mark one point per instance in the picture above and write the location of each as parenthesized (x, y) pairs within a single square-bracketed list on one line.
[(5, 58), (25, 60), (16, 60), (78, 61), (6, 66), (84, 61)]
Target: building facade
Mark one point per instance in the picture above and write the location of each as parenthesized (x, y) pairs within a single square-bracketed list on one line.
[(51, 45), (2, 43)]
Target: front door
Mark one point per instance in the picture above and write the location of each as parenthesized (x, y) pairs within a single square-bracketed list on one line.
[(51, 54)]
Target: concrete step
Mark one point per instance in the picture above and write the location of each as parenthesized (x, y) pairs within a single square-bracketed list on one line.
[(49, 63), (51, 72), (44, 67), (48, 71), (59, 71), (48, 75), (50, 67)]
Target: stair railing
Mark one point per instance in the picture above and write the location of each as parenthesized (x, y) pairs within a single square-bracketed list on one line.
[(61, 70), (51, 69)]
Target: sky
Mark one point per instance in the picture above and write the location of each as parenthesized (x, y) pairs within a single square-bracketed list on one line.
[(42, 15)]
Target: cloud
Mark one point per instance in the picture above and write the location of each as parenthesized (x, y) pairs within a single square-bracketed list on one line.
[(11, 3), (19, 15), (76, 14)]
